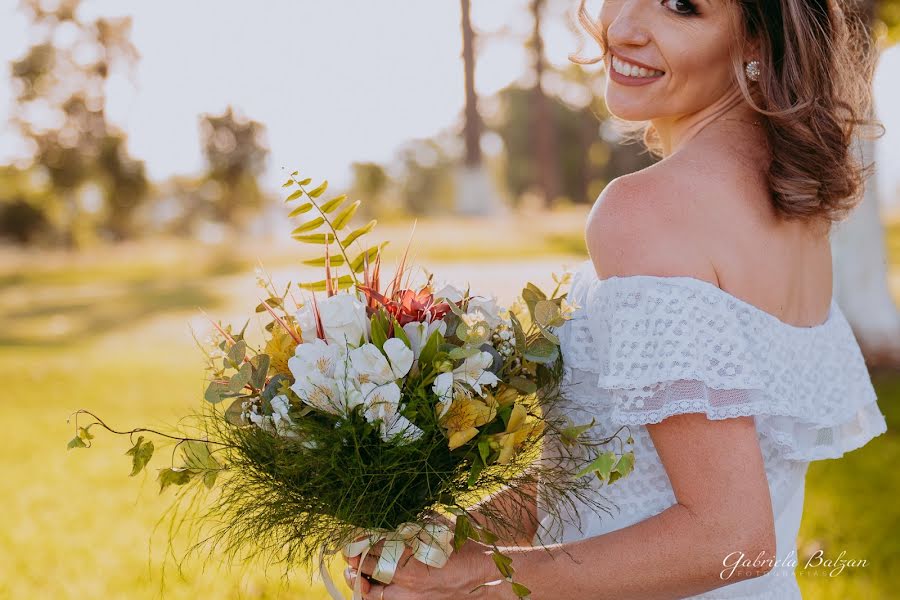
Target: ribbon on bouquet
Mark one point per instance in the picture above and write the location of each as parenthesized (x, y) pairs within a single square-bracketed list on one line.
[(430, 544)]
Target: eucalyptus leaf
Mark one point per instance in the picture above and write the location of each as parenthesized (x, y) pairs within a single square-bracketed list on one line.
[(241, 378), (260, 364), (237, 353), (216, 391), (542, 351), (546, 313), (461, 352), (234, 412)]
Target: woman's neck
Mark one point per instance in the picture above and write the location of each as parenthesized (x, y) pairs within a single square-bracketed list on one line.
[(675, 132)]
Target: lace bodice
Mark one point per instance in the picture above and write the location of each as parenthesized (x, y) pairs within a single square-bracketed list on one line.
[(642, 348)]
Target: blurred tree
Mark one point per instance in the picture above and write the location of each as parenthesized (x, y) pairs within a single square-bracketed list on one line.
[(236, 152), (370, 182), (474, 192), (858, 244), (22, 219), (542, 127), (60, 108), (427, 185)]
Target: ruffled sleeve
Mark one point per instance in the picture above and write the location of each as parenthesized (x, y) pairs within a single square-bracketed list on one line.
[(649, 347)]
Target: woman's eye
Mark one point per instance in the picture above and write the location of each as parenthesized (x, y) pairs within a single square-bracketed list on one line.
[(682, 7)]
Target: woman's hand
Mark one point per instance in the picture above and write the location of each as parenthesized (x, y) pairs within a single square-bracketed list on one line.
[(466, 569)]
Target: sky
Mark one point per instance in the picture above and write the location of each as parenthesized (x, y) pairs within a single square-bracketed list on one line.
[(334, 82)]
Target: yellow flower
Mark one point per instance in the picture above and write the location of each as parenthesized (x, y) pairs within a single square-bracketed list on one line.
[(465, 415), (280, 347), (518, 429), (507, 396)]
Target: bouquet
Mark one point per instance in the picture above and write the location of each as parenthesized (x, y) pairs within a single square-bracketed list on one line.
[(377, 411)]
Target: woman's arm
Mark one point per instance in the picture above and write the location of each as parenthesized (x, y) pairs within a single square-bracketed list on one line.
[(722, 507)]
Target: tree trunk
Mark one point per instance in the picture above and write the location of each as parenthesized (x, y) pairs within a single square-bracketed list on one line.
[(472, 127), (474, 190), (862, 279), (861, 270), (545, 153)]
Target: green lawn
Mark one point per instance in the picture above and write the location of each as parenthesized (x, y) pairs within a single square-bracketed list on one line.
[(111, 335)]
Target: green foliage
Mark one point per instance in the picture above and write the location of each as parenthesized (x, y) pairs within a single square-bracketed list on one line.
[(140, 454), (331, 229)]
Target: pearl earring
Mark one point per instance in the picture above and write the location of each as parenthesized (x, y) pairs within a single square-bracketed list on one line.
[(752, 70)]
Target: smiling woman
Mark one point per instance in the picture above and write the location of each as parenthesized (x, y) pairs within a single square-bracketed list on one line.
[(706, 321), (810, 63)]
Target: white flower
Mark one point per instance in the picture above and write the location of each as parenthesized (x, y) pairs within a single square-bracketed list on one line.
[(443, 388), (343, 316), (370, 364), (450, 293), (320, 372), (419, 333), (472, 372), (485, 309), (382, 404), (280, 419)]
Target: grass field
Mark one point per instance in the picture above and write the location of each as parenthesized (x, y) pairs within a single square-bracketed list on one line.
[(110, 333)]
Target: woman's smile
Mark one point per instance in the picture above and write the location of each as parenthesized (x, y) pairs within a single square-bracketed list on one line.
[(630, 72)]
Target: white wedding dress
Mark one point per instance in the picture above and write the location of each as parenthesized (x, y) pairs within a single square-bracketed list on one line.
[(642, 348)]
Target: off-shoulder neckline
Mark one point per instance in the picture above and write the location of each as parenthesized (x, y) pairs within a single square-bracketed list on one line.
[(686, 279)]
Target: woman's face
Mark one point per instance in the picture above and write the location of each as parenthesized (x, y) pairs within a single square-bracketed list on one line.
[(667, 58)]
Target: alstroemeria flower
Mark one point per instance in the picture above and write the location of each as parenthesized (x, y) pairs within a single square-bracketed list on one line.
[(319, 371), (370, 364), (472, 372), (382, 403), (516, 431), (463, 417), (419, 333)]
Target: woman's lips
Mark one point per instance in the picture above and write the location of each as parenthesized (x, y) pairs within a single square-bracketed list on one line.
[(626, 72)]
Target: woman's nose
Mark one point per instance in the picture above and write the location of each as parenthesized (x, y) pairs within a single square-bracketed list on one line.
[(628, 24)]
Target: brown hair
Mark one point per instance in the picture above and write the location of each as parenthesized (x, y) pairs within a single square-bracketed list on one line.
[(814, 92)]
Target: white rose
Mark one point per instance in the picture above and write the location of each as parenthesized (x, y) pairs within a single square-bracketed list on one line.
[(343, 319)]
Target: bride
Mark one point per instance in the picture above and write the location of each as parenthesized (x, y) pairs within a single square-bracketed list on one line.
[(706, 322)]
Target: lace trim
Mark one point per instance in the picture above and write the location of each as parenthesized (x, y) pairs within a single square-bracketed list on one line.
[(660, 346)]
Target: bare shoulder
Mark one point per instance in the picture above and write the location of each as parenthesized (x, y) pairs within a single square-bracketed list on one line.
[(680, 216), (645, 224)]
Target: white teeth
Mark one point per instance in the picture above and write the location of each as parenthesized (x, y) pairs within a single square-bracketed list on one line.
[(630, 70)]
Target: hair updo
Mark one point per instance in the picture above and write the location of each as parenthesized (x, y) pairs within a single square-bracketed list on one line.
[(814, 94)]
